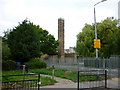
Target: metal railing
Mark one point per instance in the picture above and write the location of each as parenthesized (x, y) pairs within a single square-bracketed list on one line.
[(24, 82), (97, 79), (112, 64)]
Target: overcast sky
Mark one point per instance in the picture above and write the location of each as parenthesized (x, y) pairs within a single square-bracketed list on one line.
[(46, 13)]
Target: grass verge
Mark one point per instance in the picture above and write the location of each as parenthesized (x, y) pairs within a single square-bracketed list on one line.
[(64, 73), (44, 80)]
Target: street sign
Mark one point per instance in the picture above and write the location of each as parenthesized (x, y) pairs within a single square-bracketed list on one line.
[(97, 43)]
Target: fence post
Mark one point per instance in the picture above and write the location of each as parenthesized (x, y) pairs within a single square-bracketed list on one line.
[(78, 80), (23, 75), (53, 71), (38, 81), (105, 78)]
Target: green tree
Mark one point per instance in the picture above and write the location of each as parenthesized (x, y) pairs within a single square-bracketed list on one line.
[(106, 30), (47, 42), (29, 41), (107, 33), (1, 55), (84, 46), (23, 41), (5, 51), (118, 41)]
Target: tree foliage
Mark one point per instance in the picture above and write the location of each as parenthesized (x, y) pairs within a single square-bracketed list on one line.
[(118, 41), (29, 41), (107, 31), (5, 51)]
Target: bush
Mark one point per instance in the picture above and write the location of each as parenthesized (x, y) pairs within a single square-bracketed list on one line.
[(36, 63), (8, 65)]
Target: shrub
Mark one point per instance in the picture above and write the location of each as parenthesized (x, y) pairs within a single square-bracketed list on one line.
[(36, 63), (8, 65)]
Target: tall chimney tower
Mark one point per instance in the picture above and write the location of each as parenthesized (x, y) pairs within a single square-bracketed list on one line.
[(61, 37)]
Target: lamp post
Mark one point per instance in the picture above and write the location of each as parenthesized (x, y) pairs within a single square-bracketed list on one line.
[(95, 25)]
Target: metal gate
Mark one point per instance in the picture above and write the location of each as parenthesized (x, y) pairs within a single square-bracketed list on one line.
[(24, 83), (92, 79)]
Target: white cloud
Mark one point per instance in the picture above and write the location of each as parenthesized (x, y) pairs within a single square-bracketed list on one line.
[(46, 13)]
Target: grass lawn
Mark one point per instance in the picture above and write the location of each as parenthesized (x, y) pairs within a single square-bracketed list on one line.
[(64, 73), (44, 80)]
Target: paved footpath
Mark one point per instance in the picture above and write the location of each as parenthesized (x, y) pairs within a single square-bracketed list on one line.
[(59, 80), (65, 83)]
